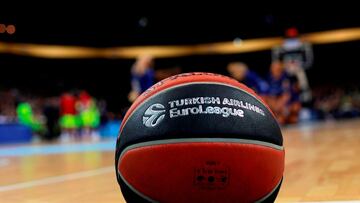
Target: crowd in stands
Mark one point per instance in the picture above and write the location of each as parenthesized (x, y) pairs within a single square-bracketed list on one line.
[(334, 102)]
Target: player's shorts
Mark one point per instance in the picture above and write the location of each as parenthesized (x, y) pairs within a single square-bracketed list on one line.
[(69, 121)]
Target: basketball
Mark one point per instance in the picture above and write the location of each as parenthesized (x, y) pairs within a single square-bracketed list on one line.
[(199, 137)]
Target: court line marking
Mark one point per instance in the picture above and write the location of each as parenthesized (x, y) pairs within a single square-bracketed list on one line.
[(57, 179), (30, 150)]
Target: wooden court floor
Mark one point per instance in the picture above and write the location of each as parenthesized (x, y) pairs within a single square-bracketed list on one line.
[(322, 164)]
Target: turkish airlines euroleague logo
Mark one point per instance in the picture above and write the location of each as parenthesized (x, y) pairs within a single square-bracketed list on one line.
[(154, 115), (199, 106)]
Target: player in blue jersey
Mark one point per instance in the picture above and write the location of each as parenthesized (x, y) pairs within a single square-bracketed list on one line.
[(142, 76), (283, 94), (241, 73)]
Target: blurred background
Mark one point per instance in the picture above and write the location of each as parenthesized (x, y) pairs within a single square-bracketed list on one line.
[(68, 76)]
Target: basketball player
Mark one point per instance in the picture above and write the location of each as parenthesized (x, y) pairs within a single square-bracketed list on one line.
[(27, 117), (69, 121), (142, 76), (89, 115), (241, 73), (283, 94)]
